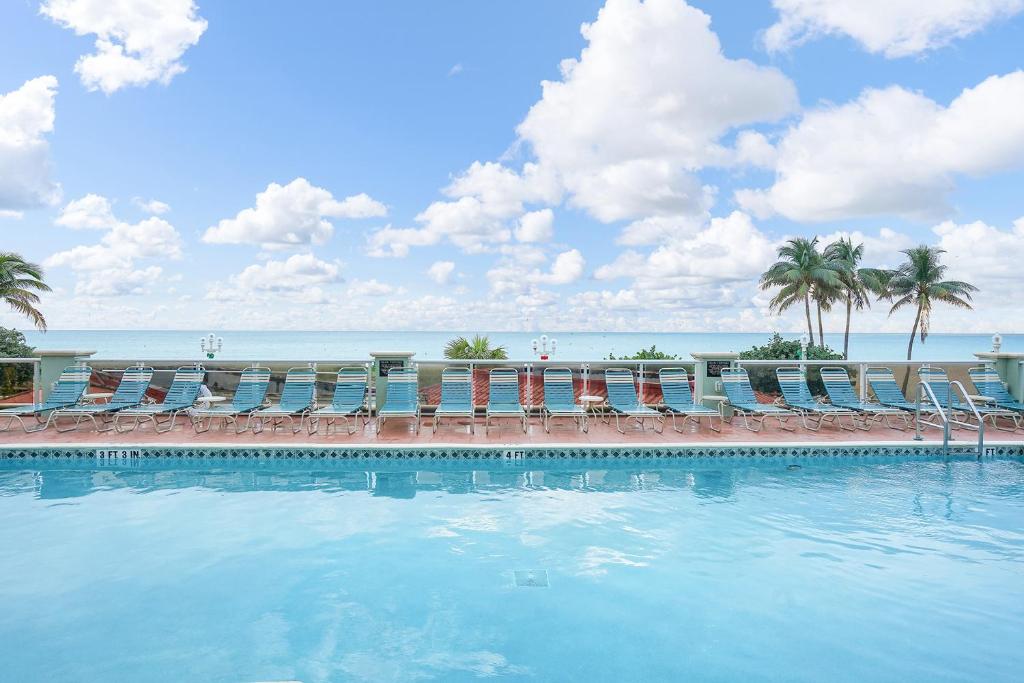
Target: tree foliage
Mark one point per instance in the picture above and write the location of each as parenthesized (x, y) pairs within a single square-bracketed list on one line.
[(19, 282), (478, 348), (14, 377)]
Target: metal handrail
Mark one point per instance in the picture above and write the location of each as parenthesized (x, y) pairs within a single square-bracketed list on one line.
[(947, 419)]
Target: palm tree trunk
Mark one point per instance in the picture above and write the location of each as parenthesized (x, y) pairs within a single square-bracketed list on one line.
[(910, 346), (846, 334), (821, 330), (807, 312)]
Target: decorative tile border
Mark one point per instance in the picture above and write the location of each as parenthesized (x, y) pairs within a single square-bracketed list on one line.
[(162, 457)]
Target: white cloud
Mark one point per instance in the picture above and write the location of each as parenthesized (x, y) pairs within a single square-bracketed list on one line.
[(90, 212), (113, 282), (709, 268), (456, 70), (893, 152), (644, 106), (373, 288), (137, 41), (297, 272), (754, 149), (26, 116), (9, 213), (108, 268), (291, 215), (658, 229), (520, 271), (895, 28), (483, 199), (536, 226), (441, 271), (151, 206), (987, 257)]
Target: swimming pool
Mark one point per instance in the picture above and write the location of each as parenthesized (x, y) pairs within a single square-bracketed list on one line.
[(743, 569)]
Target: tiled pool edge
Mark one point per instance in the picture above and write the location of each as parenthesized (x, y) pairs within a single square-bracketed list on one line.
[(222, 453)]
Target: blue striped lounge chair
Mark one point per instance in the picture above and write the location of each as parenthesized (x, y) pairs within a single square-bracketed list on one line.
[(736, 383), (249, 396), (989, 384), (938, 380), (560, 400), (348, 402), (840, 393), (71, 384), (624, 402), (403, 399), (456, 397), (298, 399), (503, 397), (130, 393), (883, 385), (798, 397), (677, 399), (179, 398)]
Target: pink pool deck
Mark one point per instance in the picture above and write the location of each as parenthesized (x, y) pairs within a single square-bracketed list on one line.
[(399, 433)]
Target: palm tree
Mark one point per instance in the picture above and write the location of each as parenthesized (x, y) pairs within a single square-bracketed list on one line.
[(479, 348), (918, 282), (855, 283), (19, 282), (800, 270)]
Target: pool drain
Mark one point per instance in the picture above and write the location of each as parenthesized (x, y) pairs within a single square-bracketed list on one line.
[(531, 578)]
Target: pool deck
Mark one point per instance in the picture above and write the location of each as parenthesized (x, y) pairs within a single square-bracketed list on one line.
[(398, 433)]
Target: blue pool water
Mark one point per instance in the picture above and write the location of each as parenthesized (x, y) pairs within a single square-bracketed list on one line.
[(740, 570)]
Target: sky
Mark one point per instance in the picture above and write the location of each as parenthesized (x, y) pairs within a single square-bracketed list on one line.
[(506, 165)]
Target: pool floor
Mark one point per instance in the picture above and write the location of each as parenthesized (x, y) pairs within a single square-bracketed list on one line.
[(891, 570)]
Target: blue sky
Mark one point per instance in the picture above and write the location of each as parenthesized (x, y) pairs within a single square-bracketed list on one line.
[(398, 165)]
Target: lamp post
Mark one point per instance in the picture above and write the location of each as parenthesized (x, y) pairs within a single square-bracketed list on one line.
[(211, 345), (997, 342), (540, 347), (804, 343)]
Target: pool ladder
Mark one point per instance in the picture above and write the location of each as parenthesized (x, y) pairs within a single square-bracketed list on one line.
[(947, 415)]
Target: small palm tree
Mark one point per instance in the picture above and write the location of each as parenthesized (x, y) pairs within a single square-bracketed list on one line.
[(800, 270), (918, 282), (19, 282), (856, 284), (479, 348)]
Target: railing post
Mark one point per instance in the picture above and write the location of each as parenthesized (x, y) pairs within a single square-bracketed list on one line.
[(641, 391), (862, 381)]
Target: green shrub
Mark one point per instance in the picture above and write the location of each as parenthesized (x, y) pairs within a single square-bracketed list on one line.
[(763, 378), (647, 354), (14, 377)]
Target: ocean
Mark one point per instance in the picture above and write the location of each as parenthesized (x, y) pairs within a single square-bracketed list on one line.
[(153, 345)]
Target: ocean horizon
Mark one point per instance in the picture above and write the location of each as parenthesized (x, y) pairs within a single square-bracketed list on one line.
[(270, 345)]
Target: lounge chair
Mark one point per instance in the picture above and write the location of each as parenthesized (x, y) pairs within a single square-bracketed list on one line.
[(348, 403), (736, 384), (883, 385), (249, 396), (840, 393), (71, 384), (130, 393), (403, 399), (559, 399), (623, 400), (456, 397), (938, 380), (503, 397), (298, 399), (989, 384), (179, 398), (677, 399), (798, 397)]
